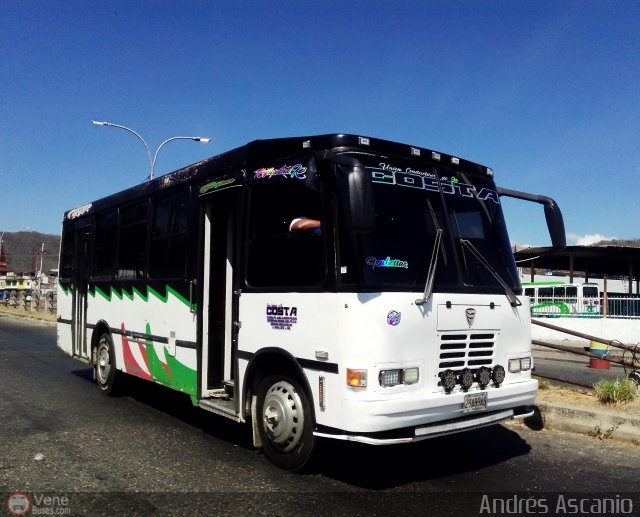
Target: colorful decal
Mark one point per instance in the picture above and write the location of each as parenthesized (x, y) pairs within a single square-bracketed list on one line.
[(151, 361), (393, 318), (389, 175), (213, 185), (296, 172), (373, 262), (135, 292), (281, 318)]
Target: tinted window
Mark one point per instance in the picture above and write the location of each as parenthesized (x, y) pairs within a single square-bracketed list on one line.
[(132, 250), (104, 246), (545, 294), (572, 294), (168, 253), (66, 253), (276, 255), (590, 291), (558, 292)]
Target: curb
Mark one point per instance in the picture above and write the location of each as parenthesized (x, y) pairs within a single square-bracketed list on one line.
[(600, 424), (26, 315)]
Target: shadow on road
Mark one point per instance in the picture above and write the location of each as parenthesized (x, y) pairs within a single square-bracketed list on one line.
[(365, 466), (384, 467)]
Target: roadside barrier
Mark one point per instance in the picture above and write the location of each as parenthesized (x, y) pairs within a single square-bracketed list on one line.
[(34, 301), (597, 353)]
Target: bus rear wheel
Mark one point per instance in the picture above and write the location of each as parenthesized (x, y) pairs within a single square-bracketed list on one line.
[(107, 375), (285, 422)]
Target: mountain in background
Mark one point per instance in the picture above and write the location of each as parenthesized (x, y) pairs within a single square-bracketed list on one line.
[(22, 251), (631, 243)]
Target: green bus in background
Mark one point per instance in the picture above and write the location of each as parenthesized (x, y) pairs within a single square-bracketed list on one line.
[(557, 299)]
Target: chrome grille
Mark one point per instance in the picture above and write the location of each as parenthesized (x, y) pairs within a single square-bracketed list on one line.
[(466, 350)]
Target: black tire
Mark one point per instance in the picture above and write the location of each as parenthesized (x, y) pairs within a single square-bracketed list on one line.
[(285, 422), (108, 377)]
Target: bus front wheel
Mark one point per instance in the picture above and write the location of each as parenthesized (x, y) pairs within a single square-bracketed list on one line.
[(107, 375), (285, 422)]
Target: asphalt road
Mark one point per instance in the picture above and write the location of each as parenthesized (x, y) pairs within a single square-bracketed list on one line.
[(575, 370), (152, 453)]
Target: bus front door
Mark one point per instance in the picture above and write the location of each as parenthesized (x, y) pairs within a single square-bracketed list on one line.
[(79, 307), (218, 299)]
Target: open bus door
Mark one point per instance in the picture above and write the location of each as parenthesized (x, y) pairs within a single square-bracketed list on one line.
[(79, 287), (219, 302)]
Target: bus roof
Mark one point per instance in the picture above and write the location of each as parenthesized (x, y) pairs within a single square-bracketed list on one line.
[(261, 151)]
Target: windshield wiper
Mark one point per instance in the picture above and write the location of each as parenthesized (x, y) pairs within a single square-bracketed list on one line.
[(511, 296), (433, 263)]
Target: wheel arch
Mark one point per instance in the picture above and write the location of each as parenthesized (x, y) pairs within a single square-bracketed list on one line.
[(273, 361), (100, 328)]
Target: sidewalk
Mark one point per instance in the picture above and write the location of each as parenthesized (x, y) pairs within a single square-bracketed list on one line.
[(585, 415), (600, 421), (49, 319)]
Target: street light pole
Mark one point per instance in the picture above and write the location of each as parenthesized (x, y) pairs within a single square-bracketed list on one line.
[(152, 161), (5, 231)]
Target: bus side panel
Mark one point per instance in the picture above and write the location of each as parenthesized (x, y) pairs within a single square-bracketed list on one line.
[(64, 307), (153, 332)]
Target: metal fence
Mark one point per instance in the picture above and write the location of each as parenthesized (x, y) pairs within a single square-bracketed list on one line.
[(35, 301), (618, 305)]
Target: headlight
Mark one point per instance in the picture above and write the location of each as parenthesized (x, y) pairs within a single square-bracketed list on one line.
[(390, 377), (483, 376), (465, 379), (399, 376), (497, 375), (521, 364), (448, 380)]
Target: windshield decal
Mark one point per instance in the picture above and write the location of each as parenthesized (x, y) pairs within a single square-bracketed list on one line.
[(373, 263), (296, 172), (389, 175)]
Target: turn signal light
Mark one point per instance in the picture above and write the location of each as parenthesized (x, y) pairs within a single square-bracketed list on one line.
[(357, 378)]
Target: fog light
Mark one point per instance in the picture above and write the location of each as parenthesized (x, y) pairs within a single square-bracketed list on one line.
[(356, 378), (448, 380), (411, 375), (525, 363), (498, 375), (465, 379), (514, 365), (390, 377), (483, 377)]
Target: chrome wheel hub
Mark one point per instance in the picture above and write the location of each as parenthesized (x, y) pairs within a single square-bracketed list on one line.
[(283, 416)]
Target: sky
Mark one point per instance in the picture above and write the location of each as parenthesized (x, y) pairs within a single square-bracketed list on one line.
[(545, 93)]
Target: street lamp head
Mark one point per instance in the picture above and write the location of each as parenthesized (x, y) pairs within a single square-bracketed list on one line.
[(202, 139), (98, 123)]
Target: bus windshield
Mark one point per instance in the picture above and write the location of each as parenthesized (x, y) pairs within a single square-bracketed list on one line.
[(413, 202)]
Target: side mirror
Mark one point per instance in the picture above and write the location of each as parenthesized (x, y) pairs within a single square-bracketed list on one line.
[(552, 213), (355, 190)]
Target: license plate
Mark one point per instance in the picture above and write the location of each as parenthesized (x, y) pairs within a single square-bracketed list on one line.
[(474, 402)]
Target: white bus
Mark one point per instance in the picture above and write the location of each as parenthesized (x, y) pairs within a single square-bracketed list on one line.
[(395, 316), (557, 299)]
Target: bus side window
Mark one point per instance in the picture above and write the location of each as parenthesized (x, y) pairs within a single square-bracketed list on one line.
[(559, 293), (572, 294), (531, 293), (132, 250), (278, 256), (545, 294), (168, 253), (66, 254), (104, 245)]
